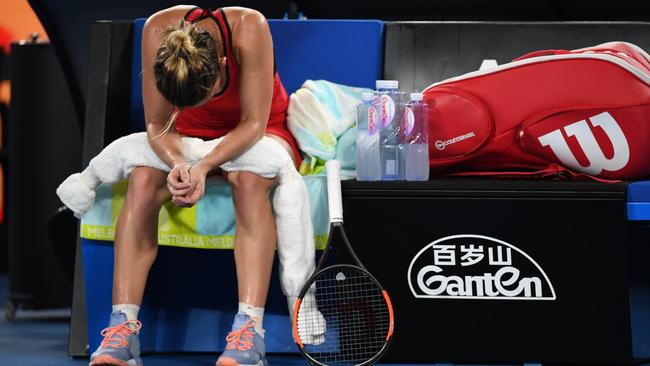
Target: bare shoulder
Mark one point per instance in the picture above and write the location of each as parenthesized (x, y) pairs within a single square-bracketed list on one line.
[(246, 21), (250, 32)]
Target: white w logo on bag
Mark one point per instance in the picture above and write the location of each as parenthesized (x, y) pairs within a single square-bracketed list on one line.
[(597, 160)]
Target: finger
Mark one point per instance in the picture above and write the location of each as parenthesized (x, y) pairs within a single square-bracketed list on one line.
[(179, 185), (179, 201), (180, 204), (175, 180), (182, 201), (173, 175), (185, 175), (194, 196), (179, 192)]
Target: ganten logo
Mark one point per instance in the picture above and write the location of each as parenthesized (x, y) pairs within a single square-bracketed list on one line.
[(477, 267)]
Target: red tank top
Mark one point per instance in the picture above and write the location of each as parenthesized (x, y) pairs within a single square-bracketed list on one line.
[(222, 112)]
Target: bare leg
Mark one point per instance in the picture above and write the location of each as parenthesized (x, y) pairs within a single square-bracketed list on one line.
[(255, 235), (255, 242), (136, 235)]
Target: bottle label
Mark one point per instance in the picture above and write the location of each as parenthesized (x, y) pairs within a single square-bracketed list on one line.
[(409, 121), (387, 110), (372, 120)]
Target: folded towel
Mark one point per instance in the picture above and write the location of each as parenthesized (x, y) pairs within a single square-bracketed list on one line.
[(266, 158), (319, 115)]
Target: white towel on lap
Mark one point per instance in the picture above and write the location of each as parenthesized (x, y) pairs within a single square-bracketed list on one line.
[(267, 158)]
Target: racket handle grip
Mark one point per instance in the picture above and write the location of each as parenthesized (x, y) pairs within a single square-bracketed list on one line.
[(333, 168)]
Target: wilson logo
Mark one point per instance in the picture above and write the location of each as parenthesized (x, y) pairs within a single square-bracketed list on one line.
[(582, 132), (477, 267)]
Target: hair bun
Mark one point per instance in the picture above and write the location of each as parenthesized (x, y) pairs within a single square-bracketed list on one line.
[(179, 40), (186, 66)]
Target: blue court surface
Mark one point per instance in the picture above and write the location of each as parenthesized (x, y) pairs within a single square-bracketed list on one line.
[(34, 339)]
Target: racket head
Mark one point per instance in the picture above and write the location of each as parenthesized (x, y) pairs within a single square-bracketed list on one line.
[(343, 316)]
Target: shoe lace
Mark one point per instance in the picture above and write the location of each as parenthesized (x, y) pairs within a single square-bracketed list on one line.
[(116, 336), (242, 339)]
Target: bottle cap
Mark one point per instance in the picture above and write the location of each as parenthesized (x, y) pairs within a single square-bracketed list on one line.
[(367, 96), (416, 96), (386, 84)]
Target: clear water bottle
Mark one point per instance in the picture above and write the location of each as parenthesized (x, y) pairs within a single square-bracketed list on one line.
[(390, 103), (367, 139), (416, 138)]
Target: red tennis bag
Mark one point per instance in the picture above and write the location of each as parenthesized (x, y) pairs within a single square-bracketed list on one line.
[(584, 111)]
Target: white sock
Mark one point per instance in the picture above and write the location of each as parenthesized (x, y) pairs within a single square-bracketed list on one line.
[(254, 312), (131, 311)]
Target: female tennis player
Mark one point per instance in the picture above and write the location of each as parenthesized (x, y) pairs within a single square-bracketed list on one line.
[(205, 74)]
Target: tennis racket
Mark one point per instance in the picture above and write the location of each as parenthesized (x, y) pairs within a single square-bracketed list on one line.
[(343, 316)]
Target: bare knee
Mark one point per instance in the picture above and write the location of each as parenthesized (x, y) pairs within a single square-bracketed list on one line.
[(246, 183), (249, 192), (147, 188)]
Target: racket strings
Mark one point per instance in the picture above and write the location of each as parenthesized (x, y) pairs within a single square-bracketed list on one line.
[(343, 319)]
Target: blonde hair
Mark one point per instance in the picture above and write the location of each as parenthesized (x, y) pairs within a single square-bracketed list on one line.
[(186, 66), (169, 125)]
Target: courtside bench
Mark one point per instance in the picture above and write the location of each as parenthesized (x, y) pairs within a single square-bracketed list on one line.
[(579, 245)]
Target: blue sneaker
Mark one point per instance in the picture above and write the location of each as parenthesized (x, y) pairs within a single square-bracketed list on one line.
[(121, 346), (245, 346)]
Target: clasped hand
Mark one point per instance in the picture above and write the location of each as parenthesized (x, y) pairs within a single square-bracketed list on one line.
[(186, 183)]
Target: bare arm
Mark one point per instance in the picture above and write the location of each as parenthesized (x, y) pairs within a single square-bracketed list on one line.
[(165, 142), (157, 110), (254, 50)]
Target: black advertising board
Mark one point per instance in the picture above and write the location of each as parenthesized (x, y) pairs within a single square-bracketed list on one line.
[(498, 271)]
